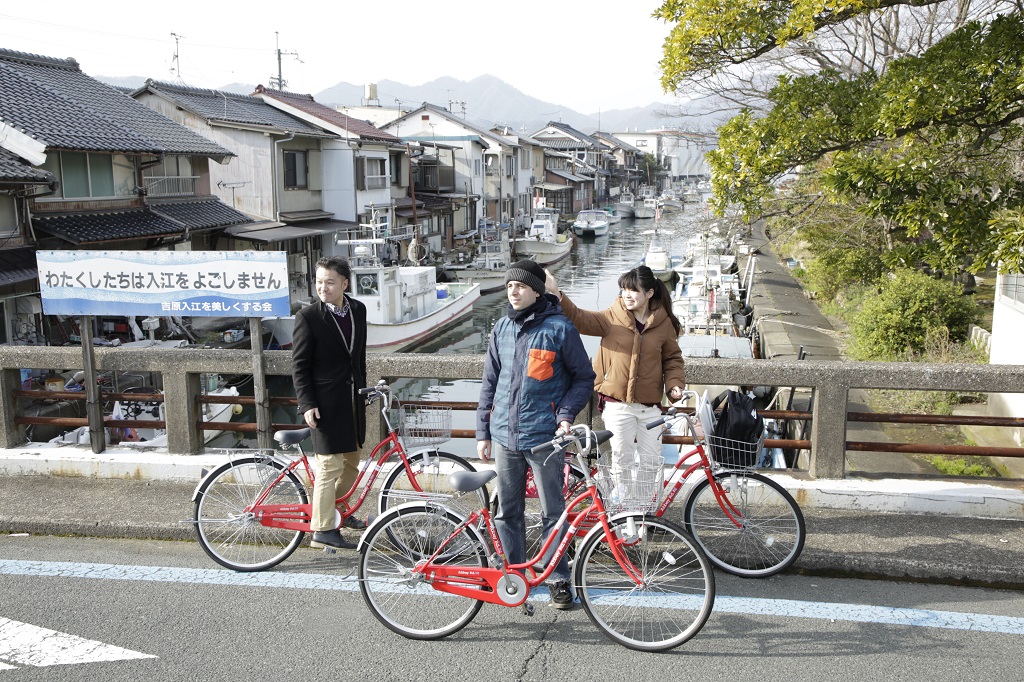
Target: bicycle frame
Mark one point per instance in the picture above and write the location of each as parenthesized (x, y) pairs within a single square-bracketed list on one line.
[(486, 583), (298, 517)]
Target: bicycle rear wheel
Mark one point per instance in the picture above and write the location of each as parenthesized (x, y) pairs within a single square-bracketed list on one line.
[(675, 594), (431, 470), (771, 533), (230, 535), (400, 598)]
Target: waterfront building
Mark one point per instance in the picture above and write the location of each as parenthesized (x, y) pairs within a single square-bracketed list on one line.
[(91, 168)]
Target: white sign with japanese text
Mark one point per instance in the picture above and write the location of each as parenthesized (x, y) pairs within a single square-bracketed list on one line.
[(164, 283)]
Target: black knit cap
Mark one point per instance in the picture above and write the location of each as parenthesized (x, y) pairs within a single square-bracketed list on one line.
[(529, 273)]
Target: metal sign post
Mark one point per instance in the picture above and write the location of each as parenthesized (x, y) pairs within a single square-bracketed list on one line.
[(93, 406)]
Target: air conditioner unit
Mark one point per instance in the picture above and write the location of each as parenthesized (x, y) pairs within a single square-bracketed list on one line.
[(297, 263)]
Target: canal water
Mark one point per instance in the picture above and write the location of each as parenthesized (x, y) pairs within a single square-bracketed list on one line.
[(589, 276)]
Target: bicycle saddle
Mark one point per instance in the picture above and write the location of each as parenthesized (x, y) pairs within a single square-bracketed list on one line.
[(292, 436), (465, 481)]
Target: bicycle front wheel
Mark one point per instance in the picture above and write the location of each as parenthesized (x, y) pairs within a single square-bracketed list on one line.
[(234, 537), (399, 597), (767, 535), (666, 601), (430, 470)]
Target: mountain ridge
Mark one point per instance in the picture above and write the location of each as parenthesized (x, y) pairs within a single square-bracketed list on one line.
[(487, 101)]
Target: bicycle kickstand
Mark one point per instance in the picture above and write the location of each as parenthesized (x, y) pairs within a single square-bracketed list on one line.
[(527, 608)]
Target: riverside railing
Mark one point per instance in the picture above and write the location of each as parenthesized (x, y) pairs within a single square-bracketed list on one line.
[(830, 383)]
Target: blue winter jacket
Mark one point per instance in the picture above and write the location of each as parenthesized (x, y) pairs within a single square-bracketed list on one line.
[(536, 374)]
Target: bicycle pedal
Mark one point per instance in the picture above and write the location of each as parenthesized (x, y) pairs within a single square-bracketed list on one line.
[(527, 608)]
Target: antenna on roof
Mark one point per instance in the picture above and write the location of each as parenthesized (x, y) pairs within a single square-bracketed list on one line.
[(278, 82), (175, 60)]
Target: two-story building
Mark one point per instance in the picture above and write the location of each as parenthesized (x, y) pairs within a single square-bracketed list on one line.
[(120, 176), (625, 167), (592, 160), (278, 175)]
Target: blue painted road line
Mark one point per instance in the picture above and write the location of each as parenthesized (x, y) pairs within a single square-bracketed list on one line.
[(857, 613)]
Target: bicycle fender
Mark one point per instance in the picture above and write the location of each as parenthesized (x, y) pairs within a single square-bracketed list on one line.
[(227, 465)]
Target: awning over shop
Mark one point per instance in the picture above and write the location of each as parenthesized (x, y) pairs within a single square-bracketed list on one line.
[(266, 233), (552, 187)]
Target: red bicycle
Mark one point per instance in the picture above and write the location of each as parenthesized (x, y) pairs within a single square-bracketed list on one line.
[(253, 511), (425, 570), (745, 522)]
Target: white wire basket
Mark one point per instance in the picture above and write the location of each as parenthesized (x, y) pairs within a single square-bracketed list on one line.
[(419, 425), (735, 454), (634, 488)]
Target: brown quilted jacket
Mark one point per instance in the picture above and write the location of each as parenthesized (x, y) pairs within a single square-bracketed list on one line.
[(630, 366)]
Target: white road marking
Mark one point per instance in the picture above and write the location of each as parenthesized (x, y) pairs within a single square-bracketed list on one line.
[(858, 613), (22, 644)]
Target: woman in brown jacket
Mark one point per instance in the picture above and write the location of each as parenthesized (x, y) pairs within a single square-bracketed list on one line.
[(638, 362)]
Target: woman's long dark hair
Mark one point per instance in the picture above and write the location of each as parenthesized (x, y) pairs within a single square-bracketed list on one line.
[(641, 278)]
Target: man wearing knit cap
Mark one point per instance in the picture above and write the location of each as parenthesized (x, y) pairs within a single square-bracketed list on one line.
[(537, 377)]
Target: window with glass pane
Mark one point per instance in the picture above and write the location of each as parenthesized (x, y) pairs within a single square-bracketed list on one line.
[(74, 167), (101, 175), (295, 170), (376, 174)]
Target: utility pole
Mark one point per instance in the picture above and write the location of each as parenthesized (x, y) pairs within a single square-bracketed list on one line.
[(176, 60), (278, 82)]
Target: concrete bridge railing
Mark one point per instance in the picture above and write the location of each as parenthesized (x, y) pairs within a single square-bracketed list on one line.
[(181, 369)]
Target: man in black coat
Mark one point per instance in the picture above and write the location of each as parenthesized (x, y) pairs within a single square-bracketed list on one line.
[(328, 369)]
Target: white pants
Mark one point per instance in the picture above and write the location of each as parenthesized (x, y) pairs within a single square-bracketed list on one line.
[(628, 424)]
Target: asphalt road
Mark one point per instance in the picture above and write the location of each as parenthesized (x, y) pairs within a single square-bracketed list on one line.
[(162, 600)]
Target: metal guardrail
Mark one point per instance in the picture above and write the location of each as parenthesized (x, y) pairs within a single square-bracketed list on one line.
[(829, 382)]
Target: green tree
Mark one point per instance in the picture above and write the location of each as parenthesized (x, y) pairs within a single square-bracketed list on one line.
[(927, 144), (909, 308)]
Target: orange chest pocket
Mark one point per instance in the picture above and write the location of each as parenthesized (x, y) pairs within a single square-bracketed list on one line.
[(540, 365)]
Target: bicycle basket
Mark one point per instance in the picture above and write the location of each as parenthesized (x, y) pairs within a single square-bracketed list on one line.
[(633, 488), (419, 425), (735, 454)]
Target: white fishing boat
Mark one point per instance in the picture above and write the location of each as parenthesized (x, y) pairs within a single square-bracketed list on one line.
[(646, 205), (484, 262), (542, 241), (404, 304), (658, 257), (624, 206), (591, 223)]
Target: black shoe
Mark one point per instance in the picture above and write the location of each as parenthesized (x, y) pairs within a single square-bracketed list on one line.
[(561, 595), (331, 538), (354, 523)]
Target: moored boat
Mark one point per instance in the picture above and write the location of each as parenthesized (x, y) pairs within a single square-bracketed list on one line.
[(542, 241), (591, 223), (403, 303)]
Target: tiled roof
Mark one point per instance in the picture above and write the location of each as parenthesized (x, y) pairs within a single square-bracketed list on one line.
[(18, 265), (572, 132), (52, 101), (307, 104), (13, 169), (161, 220), (611, 139), (201, 215), (564, 143), (230, 107)]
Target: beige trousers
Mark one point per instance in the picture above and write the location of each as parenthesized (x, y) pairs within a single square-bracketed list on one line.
[(335, 474)]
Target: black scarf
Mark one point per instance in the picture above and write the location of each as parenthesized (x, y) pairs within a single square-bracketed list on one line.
[(521, 315)]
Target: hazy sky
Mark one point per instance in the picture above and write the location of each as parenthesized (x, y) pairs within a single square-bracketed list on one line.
[(584, 54)]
